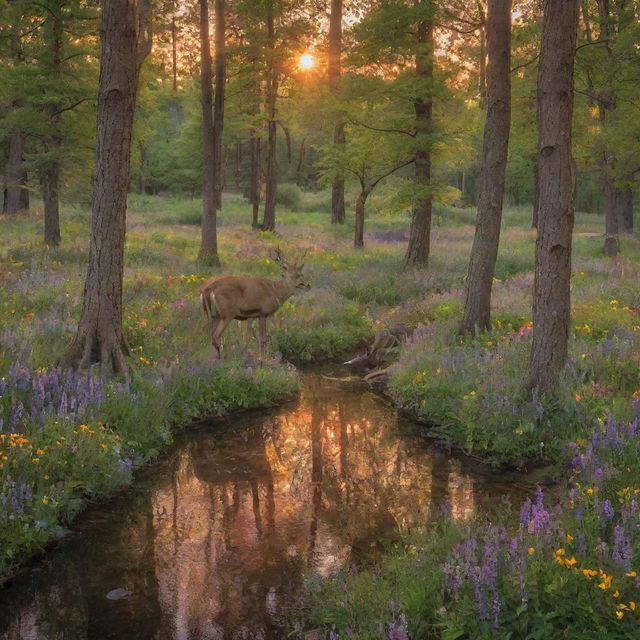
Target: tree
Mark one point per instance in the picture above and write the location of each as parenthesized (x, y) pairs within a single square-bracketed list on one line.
[(15, 195), (484, 252), (210, 178), (271, 83), (126, 41), (356, 158), (551, 304), (335, 52), (420, 232)]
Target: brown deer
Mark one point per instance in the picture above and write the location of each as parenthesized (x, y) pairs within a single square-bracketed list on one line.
[(225, 298)]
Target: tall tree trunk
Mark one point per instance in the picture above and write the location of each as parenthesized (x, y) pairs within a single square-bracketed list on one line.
[(126, 40), (335, 52), (477, 309), (482, 75), (625, 209), (361, 201), (254, 191), (50, 171), (49, 179), (218, 105), (417, 254), (16, 196), (271, 184), (606, 103), (15, 174), (301, 154), (552, 296), (536, 192), (209, 235), (237, 169), (609, 199)]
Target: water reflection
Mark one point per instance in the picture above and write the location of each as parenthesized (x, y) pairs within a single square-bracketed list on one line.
[(218, 538)]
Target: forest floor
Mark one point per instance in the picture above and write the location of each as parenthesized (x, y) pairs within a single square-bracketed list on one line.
[(77, 435)]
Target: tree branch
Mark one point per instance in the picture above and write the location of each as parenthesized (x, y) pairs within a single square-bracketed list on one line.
[(388, 173), (366, 126)]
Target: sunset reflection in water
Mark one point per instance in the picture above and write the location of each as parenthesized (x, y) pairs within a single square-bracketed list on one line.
[(233, 522)]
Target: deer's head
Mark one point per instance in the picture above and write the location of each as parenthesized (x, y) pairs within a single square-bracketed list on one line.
[(293, 271)]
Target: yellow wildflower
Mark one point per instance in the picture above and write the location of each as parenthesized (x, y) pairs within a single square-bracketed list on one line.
[(531, 551), (619, 615), (632, 574)]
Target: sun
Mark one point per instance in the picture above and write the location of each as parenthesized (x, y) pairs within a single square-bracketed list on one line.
[(306, 61)]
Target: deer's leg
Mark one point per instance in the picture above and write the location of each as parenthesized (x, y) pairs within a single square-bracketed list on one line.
[(248, 333), (262, 335), (223, 323)]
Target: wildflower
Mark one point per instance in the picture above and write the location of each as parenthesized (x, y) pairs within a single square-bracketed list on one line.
[(619, 615), (569, 538), (45, 500), (632, 574), (590, 491), (531, 551), (616, 594), (35, 460), (632, 605), (607, 509)]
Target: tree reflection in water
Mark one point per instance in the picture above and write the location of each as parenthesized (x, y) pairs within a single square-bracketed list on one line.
[(219, 537)]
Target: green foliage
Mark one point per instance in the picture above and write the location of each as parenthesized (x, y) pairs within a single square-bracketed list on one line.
[(289, 196), (320, 325)]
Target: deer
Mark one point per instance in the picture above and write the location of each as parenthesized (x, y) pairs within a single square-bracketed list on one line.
[(228, 297)]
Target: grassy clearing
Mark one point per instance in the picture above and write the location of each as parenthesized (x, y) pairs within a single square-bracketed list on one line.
[(466, 390)]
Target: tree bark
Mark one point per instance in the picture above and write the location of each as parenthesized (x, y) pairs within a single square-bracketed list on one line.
[(552, 296), (16, 176), (126, 40), (361, 200), (218, 105), (255, 168), (625, 209), (477, 309), (49, 180), (271, 184), (208, 253), (254, 193), (606, 103), (335, 51), (301, 154), (417, 254), (536, 191), (482, 74), (50, 171)]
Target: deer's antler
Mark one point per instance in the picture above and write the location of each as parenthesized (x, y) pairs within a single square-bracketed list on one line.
[(278, 257)]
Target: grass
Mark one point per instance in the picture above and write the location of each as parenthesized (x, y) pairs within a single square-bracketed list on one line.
[(467, 391)]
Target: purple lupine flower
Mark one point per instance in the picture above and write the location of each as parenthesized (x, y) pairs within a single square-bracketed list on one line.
[(622, 549), (525, 512), (607, 510), (397, 629)]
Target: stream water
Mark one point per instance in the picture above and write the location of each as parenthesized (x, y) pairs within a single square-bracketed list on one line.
[(217, 539)]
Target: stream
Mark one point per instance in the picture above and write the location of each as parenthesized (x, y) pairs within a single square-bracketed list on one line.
[(215, 540)]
